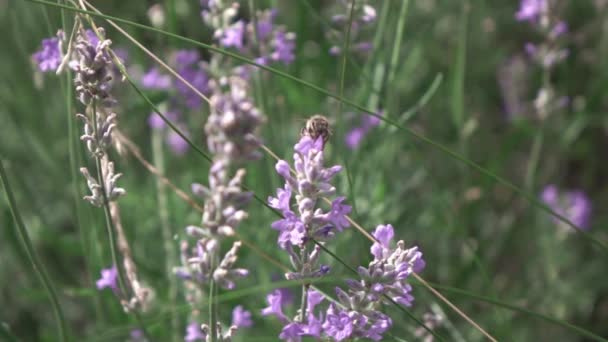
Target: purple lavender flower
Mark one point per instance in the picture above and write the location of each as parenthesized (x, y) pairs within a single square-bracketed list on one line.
[(194, 333), (153, 79), (292, 332), (338, 323), (284, 46), (49, 56), (275, 301), (574, 205), (354, 137), (233, 36), (93, 68), (559, 29), (234, 120), (137, 335), (274, 43), (531, 10), (155, 121), (176, 143), (311, 182), (186, 58), (241, 317), (364, 18), (109, 279)]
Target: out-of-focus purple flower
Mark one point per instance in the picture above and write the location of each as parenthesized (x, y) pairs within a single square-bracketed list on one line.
[(137, 335), (109, 279), (194, 333), (266, 24), (233, 36), (197, 77), (155, 121), (241, 317), (559, 29), (530, 49), (185, 58), (531, 10), (574, 205), (233, 124), (176, 143), (49, 56), (284, 46), (272, 43), (153, 79), (354, 137), (93, 38), (364, 16)]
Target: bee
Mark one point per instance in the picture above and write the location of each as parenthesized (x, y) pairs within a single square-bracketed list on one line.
[(317, 126)]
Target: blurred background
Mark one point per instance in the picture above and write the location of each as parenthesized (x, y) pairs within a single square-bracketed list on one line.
[(515, 89)]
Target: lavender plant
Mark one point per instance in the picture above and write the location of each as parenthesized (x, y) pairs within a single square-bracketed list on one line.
[(357, 313), (364, 18), (547, 54), (231, 131), (91, 62)]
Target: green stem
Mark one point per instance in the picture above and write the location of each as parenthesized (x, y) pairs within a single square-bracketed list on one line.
[(72, 138), (37, 266), (163, 213), (212, 303), (106, 208)]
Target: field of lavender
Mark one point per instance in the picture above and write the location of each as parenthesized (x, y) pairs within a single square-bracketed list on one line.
[(303, 170)]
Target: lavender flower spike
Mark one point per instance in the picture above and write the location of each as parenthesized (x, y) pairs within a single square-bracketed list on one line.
[(112, 191), (93, 69)]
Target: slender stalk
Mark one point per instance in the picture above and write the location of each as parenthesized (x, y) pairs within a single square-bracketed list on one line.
[(340, 123), (212, 303), (163, 215), (72, 138), (109, 224), (36, 264)]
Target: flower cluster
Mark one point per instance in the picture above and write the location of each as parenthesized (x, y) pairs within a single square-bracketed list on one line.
[(260, 39), (93, 68), (231, 132), (356, 134), (309, 184), (546, 54), (233, 121), (364, 16), (431, 321), (357, 313), (574, 205), (49, 57)]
